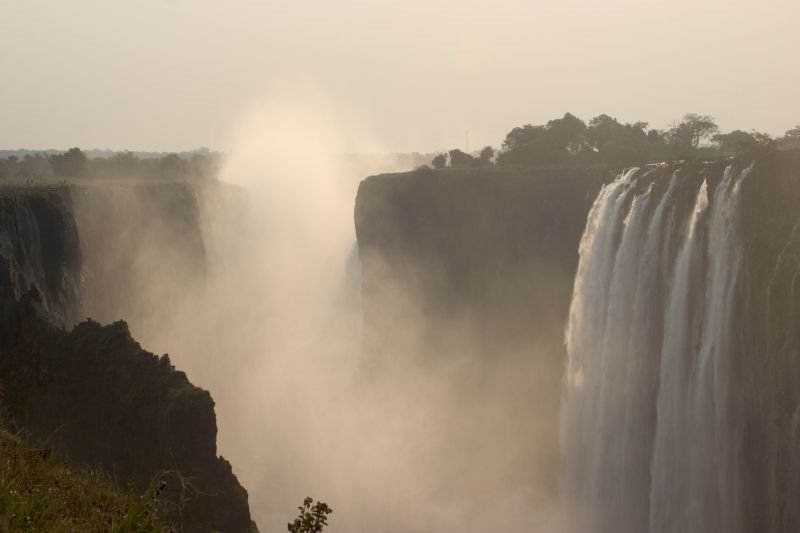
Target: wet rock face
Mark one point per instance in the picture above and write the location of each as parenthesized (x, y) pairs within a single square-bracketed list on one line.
[(142, 245), (93, 392), (495, 246), (475, 267), (497, 250), (39, 247), (767, 369)]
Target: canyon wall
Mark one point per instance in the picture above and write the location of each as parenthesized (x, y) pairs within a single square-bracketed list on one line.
[(473, 269), (466, 281), (92, 391), (39, 247), (481, 262), (765, 370)]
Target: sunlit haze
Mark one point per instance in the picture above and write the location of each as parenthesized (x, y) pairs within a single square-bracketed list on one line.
[(423, 75), (507, 266)]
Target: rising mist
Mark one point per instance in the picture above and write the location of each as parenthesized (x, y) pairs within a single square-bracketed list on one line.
[(262, 308)]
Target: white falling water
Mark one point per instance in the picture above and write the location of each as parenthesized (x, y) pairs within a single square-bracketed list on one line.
[(649, 427)]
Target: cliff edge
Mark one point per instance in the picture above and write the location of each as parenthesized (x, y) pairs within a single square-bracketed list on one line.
[(474, 268), (93, 392)]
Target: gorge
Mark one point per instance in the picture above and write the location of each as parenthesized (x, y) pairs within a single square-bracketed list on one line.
[(419, 380)]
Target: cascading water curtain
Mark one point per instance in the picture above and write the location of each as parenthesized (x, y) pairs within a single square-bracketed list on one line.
[(649, 433)]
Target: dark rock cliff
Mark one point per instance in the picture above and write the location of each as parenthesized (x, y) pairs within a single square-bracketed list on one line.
[(767, 373), (142, 245), (500, 247), (92, 391), (39, 247), (478, 265)]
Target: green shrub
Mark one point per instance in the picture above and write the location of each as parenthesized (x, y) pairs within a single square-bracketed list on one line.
[(312, 518)]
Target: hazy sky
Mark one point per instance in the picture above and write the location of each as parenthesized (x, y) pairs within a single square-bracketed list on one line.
[(178, 74)]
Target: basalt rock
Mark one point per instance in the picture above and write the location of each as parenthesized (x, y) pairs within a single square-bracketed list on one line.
[(92, 391), (474, 267)]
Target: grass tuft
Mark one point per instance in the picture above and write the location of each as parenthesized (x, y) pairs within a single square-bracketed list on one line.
[(40, 492)]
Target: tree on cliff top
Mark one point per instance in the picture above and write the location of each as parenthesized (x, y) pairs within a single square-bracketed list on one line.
[(556, 142), (699, 127), (743, 143), (71, 164), (618, 143), (460, 159), (794, 132), (486, 156), (686, 136)]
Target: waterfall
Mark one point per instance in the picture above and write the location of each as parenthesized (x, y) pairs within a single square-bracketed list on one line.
[(649, 428)]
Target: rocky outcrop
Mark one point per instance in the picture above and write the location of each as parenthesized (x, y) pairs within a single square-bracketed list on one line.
[(93, 392), (95, 395)]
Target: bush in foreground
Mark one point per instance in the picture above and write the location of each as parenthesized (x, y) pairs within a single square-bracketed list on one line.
[(312, 518)]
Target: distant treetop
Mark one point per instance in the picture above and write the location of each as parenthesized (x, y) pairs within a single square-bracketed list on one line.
[(605, 140), (74, 163)]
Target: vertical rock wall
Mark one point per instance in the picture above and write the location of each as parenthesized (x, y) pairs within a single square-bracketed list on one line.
[(93, 392)]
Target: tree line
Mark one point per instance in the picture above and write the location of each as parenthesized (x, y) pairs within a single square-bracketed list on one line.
[(74, 163), (605, 140)]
